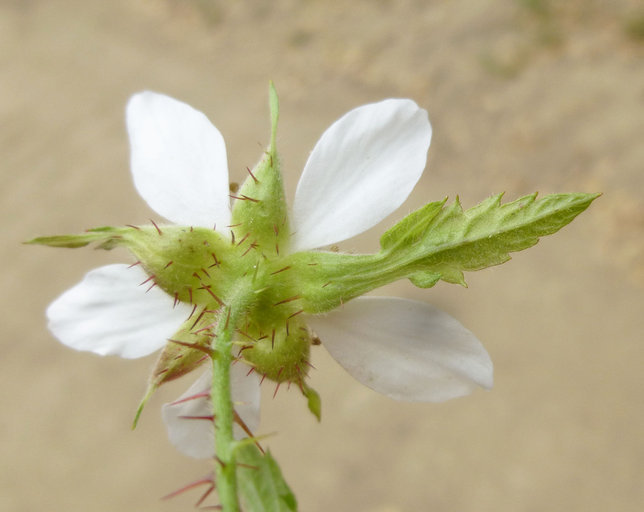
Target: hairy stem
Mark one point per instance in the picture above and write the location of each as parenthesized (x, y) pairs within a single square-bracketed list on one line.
[(225, 464)]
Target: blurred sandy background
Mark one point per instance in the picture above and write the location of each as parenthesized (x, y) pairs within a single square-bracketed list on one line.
[(523, 96)]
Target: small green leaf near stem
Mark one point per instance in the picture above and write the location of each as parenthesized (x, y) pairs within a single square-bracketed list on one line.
[(261, 484)]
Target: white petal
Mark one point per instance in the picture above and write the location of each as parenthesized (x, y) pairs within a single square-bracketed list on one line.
[(405, 349), (246, 393), (178, 161), (108, 312), (195, 437), (363, 167)]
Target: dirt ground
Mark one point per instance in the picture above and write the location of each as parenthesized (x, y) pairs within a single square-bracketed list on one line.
[(522, 95)]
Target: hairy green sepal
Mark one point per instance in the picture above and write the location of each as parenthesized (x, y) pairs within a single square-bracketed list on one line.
[(436, 242)]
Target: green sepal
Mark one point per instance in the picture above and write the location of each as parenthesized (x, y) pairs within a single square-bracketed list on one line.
[(274, 108), (191, 264), (412, 228), (72, 241), (278, 349), (188, 348), (260, 208), (313, 401), (261, 486), (425, 279), (436, 242), (455, 241)]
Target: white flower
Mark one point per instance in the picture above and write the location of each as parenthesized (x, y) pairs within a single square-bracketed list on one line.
[(361, 170)]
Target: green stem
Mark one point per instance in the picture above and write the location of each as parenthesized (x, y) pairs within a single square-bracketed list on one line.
[(222, 406)]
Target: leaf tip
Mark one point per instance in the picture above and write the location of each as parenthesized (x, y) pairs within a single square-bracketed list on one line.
[(273, 102), (314, 402), (148, 393)]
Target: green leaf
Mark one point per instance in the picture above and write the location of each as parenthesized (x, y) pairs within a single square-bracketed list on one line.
[(261, 485), (441, 242), (411, 228)]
